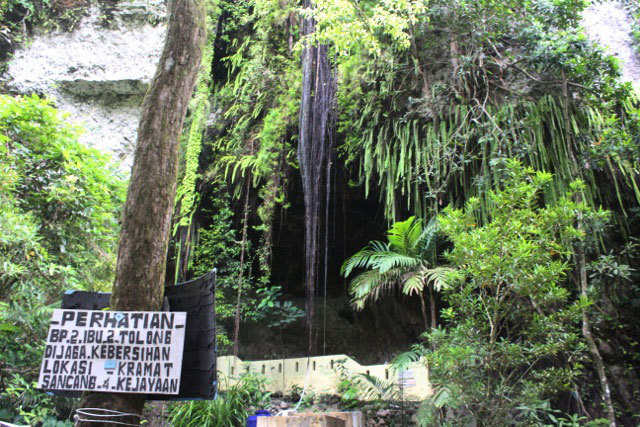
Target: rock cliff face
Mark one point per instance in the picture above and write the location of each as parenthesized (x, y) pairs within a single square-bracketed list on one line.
[(98, 73), (609, 24)]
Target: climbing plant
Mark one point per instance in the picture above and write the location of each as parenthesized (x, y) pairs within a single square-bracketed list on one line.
[(248, 149), (186, 192)]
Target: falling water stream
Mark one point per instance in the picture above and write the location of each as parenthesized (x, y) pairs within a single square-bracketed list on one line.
[(315, 147)]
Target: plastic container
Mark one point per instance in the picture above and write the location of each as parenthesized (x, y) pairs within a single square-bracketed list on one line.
[(252, 421)]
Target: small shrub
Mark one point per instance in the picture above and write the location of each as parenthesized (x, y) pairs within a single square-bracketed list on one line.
[(230, 408)]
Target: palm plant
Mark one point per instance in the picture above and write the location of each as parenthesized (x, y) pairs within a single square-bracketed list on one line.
[(407, 261)]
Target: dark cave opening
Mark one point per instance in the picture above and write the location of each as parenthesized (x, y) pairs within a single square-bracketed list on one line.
[(353, 221), (375, 334)]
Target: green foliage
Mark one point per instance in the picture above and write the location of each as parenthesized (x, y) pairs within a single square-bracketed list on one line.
[(306, 398), (407, 260), (257, 69), (276, 314), (74, 193), (187, 197), (230, 408), (217, 246), (354, 389), (186, 192), (348, 389), (59, 204), (348, 26), (18, 15), (513, 342), (432, 99), (256, 106), (245, 114), (422, 128)]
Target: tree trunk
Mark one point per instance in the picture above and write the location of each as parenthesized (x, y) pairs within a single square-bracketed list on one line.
[(581, 266), (591, 342), (432, 305), (146, 221), (423, 306)]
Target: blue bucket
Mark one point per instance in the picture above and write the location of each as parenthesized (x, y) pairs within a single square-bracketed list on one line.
[(252, 421)]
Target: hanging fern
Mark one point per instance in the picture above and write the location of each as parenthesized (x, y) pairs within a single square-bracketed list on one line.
[(426, 166), (187, 196)]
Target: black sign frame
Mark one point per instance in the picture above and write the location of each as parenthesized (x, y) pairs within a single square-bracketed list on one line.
[(197, 298)]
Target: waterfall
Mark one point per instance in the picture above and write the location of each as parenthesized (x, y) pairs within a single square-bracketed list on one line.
[(317, 120)]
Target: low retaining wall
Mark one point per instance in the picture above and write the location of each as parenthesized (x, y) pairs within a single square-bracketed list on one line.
[(286, 374)]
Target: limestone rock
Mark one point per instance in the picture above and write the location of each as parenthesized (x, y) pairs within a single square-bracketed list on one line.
[(98, 73)]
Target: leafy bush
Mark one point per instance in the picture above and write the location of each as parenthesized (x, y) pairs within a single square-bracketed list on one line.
[(59, 203), (230, 408), (364, 387), (17, 15), (73, 193), (513, 343)]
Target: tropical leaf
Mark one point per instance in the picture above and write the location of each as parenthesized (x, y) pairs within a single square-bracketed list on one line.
[(403, 262), (389, 260), (362, 258), (372, 387), (371, 284), (403, 361), (413, 284), (438, 276), (429, 240), (404, 236)]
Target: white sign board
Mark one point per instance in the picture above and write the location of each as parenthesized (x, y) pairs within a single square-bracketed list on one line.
[(406, 379), (110, 351)]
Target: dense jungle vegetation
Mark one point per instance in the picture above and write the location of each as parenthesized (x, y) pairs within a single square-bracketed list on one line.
[(491, 139)]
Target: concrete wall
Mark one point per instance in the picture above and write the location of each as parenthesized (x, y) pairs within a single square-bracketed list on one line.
[(285, 374)]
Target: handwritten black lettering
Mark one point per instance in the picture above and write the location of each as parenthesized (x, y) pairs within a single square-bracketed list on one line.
[(81, 318), (68, 316)]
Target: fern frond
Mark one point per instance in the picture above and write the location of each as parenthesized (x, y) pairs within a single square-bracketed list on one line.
[(363, 258), (372, 387), (403, 361), (403, 236), (413, 284), (438, 276), (370, 285), (389, 260)]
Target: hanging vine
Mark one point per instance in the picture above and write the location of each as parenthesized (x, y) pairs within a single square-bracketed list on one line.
[(187, 195), (420, 149)]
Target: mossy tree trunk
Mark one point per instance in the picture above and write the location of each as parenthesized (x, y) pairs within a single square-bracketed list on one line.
[(146, 221)]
